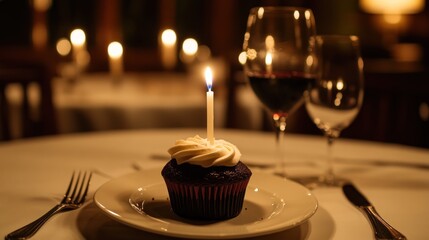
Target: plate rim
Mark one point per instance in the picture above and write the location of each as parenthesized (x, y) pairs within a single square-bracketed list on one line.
[(145, 227)]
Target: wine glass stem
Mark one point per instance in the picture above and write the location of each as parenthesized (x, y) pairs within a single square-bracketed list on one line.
[(329, 177), (280, 124)]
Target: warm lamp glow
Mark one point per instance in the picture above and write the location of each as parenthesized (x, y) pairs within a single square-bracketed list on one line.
[(63, 47), (392, 6), (78, 37), (115, 50)]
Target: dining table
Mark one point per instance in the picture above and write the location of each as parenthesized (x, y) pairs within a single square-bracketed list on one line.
[(35, 173)]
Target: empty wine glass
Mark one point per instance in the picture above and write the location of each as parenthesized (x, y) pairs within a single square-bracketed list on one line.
[(335, 98), (279, 62)]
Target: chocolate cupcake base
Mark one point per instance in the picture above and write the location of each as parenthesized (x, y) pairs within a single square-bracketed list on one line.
[(214, 193), (207, 202)]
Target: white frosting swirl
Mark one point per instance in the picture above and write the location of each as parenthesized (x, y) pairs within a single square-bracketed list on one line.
[(198, 151)]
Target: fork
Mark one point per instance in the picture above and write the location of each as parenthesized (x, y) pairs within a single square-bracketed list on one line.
[(73, 199)]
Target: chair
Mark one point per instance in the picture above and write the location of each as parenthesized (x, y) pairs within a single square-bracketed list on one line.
[(35, 118)]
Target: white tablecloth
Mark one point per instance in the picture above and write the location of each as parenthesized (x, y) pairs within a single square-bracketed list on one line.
[(34, 174)]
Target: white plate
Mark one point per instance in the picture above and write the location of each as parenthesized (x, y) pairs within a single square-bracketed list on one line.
[(271, 204)]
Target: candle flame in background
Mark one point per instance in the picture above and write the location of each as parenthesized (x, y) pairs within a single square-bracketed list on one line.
[(189, 51), (63, 47), (168, 37), (78, 37), (190, 46), (269, 45), (242, 58), (296, 14), (268, 59), (251, 54), (307, 14), (260, 13), (340, 84), (208, 74), (115, 50)]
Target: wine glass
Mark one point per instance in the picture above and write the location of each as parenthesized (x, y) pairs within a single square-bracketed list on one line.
[(279, 62), (335, 98)]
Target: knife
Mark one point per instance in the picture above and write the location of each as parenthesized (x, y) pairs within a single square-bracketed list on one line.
[(382, 230)]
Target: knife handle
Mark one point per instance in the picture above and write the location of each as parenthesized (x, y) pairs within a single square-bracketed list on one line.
[(382, 229)]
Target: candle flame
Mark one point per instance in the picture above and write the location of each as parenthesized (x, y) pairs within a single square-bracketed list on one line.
[(115, 50), (78, 37), (190, 46), (209, 77), (168, 37)]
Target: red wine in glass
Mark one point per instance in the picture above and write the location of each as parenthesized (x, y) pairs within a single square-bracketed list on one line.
[(281, 93)]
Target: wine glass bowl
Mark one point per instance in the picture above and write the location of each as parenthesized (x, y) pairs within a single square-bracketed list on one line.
[(279, 64), (334, 99)]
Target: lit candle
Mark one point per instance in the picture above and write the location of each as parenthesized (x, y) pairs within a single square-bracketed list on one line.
[(210, 108), (115, 51), (168, 49)]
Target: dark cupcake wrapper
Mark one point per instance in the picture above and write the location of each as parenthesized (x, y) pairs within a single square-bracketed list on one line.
[(207, 202)]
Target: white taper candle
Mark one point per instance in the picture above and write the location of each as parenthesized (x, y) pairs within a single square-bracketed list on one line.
[(210, 105)]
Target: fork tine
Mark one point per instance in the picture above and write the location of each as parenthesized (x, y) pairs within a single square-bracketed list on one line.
[(76, 198), (64, 200), (85, 192), (76, 184)]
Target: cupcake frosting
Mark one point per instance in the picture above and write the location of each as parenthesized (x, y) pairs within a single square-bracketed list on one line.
[(198, 151)]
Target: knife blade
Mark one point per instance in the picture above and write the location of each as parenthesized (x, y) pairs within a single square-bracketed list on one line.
[(381, 229)]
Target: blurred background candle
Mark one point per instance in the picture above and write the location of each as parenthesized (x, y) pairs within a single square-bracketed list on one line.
[(78, 39), (115, 52), (210, 105), (168, 49), (80, 54), (63, 47), (189, 50)]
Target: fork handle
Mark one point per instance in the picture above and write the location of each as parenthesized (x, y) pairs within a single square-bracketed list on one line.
[(30, 229), (382, 230)]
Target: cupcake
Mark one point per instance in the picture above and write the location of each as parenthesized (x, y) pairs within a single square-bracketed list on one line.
[(204, 181)]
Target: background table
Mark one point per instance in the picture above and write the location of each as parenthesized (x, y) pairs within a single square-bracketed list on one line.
[(95, 102), (35, 172)]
